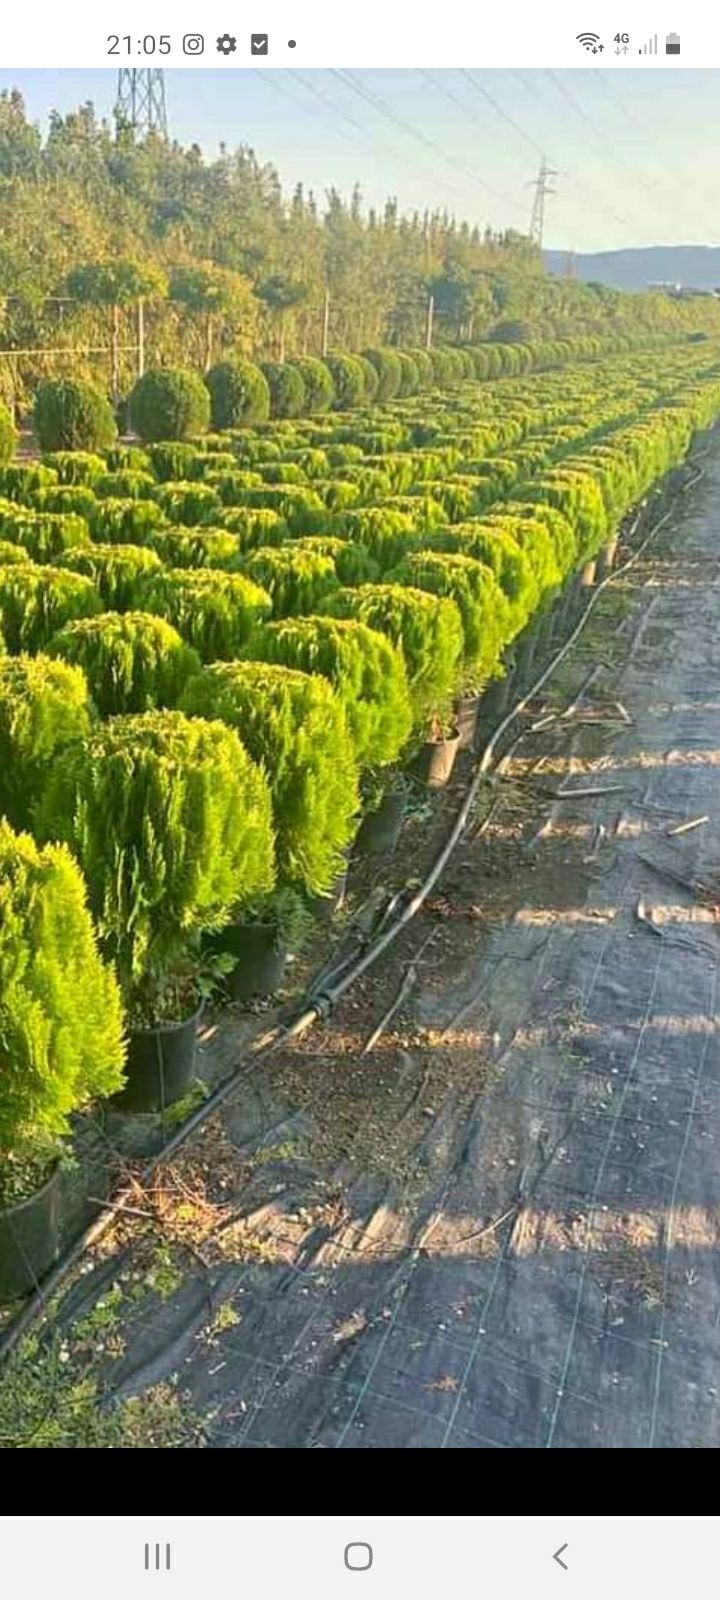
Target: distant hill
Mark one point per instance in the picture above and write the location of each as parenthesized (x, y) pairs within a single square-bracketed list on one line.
[(694, 266)]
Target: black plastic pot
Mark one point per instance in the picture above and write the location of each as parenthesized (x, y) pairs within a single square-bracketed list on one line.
[(29, 1240), (466, 719), (324, 906), (435, 760), (380, 830), (160, 1065), (261, 959)]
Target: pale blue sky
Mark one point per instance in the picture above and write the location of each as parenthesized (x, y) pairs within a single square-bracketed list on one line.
[(636, 150)]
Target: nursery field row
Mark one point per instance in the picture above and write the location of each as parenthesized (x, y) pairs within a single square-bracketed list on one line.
[(216, 652)]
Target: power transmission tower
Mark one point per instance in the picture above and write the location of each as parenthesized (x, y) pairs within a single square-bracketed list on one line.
[(141, 100), (542, 187)]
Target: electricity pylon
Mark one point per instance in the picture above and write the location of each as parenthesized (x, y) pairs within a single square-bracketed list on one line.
[(141, 100), (541, 185)]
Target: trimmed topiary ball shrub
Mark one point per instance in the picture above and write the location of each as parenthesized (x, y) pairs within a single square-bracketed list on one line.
[(409, 374), (36, 601), (366, 671), (498, 550), (348, 381), (71, 497), (126, 521), (387, 535), (371, 381), (60, 1013), (132, 662), (70, 415), (296, 580), (118, 571), (319, 387), (8, 436), (427, 628), (169, 403), (189, 503), (239, 394), (44, 534), (389, 372), (214, 611), (197, 547), (287, 390), (171, 822), (44, 705), (477, 594), (127, 457), (293, 725), (125, 484)]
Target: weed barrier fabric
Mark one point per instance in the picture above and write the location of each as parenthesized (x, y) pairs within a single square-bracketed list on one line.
[(541, 1269)]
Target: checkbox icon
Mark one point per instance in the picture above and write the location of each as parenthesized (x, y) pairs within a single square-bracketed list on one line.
[(259, 44)]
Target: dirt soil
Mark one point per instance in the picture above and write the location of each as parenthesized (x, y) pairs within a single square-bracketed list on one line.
[(500, 1227)]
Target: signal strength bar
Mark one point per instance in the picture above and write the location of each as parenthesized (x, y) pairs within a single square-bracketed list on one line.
[(651, 48), (158, 1561)]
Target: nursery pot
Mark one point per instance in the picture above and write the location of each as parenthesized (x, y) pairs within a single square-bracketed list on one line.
[(261, 958), (160, 1065), (606, 559), (435, 760), (587, 575), (466, 717), (380, 830), (29, 1239), (324, 906)]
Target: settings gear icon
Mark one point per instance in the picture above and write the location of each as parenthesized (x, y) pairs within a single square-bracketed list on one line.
[(226, 44)]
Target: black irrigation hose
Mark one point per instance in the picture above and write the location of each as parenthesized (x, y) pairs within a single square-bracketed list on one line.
[(321, 1003)]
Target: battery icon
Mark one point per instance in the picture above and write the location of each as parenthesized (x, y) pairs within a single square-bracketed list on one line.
[(672, 44)]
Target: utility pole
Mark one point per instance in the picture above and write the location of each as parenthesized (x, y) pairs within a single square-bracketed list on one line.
[(326, 323), (429, 322), (141, 100), (541, 185)]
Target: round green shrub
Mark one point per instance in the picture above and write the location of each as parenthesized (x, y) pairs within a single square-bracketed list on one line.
[(171, 822), (371, 380), (125, 484), (36, 601), (409, 374), (389, 371), (118, 571), (319, 387), (132, 661), (60, 1013), (232, 486), (169, 403), (70, 415), (215, 612), (352, 562), (293, 725), (255, 526), (11, 554), (22, 478), (44, 534), (365, 669), (197, 547), (8, 436), (287, 390), (189, 503), (297, 580), (128, 457), (498, 550), (348, 380), (427, 628), (387, 535), (423, 366), (176, 462), (239, 394), (72, 497), (477, 595), (44, 705), (76, 468), (126, 521)]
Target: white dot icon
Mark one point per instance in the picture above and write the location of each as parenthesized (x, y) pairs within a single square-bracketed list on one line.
[(358, 1557)]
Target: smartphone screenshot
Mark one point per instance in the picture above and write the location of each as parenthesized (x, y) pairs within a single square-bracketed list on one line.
[(359, 755)]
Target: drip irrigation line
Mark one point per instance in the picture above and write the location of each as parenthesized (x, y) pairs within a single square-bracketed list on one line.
[(323, 1001)]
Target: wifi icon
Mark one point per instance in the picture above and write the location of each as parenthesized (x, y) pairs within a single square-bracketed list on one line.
[(589, 41)]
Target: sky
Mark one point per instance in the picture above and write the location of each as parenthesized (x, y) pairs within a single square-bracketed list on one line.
[(635, 151)]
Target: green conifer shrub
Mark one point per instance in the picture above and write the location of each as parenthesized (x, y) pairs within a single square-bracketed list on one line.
[(169, 403), (35, 601), (44, 705), (426, 628), (118, 571), (239, 394), (70, 415), (132, 661), (215, 612), (297, 580)]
